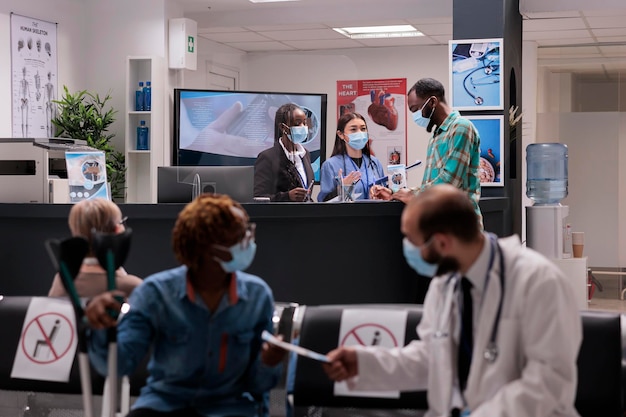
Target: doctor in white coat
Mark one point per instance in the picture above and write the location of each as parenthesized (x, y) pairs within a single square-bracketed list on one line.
[(526, 328)]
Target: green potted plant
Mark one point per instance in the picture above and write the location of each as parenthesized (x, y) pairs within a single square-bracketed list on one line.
[(82, 115)]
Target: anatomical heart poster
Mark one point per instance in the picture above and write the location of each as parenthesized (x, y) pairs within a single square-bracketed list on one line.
[(383, 105)]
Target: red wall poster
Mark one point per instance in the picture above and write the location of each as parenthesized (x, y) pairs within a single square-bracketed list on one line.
[(383, 104)]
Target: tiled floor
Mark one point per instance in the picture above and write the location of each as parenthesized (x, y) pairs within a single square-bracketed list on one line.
[(608, 304), (609, 298)]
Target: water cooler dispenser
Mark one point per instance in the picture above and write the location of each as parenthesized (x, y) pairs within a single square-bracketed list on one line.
[(546, 186)]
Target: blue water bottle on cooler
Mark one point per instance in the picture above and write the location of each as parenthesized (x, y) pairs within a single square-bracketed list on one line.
[(147, 96), (143, 139), (139, 100), (547, 173)]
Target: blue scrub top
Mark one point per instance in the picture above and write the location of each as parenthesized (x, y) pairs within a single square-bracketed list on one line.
[(371, 169)]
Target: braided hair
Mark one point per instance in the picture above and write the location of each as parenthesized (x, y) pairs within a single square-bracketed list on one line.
[(284, 114)]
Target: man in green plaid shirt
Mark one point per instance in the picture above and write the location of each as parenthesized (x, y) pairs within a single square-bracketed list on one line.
[(453, 153)]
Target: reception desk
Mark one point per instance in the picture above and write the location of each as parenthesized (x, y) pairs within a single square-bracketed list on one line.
[(309, 253)]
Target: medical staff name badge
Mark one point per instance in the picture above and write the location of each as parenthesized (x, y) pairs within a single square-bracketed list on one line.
[(371, 327)]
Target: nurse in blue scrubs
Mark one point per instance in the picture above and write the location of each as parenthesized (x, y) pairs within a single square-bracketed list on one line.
[(351, 160)]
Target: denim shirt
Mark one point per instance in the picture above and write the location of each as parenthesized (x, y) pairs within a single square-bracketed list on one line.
[(206, 361)]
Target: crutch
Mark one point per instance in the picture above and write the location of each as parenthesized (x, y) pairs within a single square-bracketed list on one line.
[(111, 250), (67, 257)]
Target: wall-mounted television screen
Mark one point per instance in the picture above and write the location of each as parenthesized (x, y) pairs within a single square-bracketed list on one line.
[(230, 128)]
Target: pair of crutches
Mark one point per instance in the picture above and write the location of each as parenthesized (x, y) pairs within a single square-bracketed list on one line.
[(67, 257)]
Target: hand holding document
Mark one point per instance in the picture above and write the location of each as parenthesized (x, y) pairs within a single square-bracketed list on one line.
[(384, 180), (270, 338)]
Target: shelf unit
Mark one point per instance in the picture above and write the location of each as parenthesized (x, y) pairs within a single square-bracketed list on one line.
[(141, 166)]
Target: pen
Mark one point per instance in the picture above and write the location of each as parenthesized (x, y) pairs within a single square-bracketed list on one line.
[(308, 191)]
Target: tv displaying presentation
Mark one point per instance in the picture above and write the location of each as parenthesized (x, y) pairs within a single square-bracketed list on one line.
[(230, 128)]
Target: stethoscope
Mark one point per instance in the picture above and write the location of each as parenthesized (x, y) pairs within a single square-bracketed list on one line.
[(490, 354), (490, 69), (367, 164)]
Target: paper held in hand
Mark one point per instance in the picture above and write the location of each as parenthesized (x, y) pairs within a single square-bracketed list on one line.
[(269, 338), (397, 176)]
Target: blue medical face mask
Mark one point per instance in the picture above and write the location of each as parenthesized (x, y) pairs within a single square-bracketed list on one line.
[(358, 140), (243, 255), (419, 118), (413, 256), (298, 134)]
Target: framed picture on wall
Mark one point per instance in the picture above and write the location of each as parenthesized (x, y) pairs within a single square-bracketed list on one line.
[(491, 169), (474, 73)]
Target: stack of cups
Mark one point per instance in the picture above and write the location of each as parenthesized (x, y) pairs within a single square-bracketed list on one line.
[(578, 244)]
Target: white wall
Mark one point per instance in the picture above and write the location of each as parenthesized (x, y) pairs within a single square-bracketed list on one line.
[(318, 72), (598, 94), (71, 46), (94, 39), (213, 56), (530, 76), (575, 113), (594, 187), (116, 29), (172, 11), (621, 198)]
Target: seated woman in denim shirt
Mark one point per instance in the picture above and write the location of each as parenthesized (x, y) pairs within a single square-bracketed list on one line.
[(203, 321)]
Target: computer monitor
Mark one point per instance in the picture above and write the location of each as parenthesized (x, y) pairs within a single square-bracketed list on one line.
[(180, 184)]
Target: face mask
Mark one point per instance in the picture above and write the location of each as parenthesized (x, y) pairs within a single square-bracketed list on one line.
[(242, 257), (413, 256), (419, 118), (298, 134), (357, 140)]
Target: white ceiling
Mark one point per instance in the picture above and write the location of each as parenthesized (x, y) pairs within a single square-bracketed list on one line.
[(591, 39)]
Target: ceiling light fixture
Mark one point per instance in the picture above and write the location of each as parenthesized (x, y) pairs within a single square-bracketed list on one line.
[(396, 31), (269, 1)]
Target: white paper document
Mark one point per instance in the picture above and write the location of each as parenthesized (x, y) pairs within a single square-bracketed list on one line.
[(270, 338)]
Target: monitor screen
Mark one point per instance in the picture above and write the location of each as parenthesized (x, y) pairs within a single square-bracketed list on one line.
[(232, 127), (180, 184)]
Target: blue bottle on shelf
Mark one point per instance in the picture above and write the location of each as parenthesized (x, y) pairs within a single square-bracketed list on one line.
[(139, 100), (143, 139), (547, 173), (147, 96)]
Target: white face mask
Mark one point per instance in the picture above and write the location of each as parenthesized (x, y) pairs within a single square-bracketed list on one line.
[(419, 118)]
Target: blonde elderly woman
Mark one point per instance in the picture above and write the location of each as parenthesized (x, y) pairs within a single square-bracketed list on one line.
[(103, 216)]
